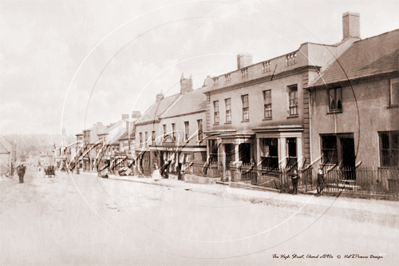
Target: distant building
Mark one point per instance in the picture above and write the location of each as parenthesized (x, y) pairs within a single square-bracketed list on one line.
[(33, 158), (7, 155), (63, 151), (117, 135), (47, 158)]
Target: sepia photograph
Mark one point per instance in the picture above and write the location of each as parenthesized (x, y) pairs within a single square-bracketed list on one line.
[(199, 132)]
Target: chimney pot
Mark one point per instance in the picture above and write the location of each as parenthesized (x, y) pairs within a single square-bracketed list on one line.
[(159, 97)]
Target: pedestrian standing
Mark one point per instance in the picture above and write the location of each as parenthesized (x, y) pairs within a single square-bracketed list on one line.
[(295, 179), (164, 169), (156, 175), (21, 173), (320, 181)]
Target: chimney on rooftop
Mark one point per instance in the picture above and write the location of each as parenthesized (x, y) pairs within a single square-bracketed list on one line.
[(351, 25), (244, 60), (159, 97), (208, 81), (125, 116), (129, 125), (136, 114), (186, 85)]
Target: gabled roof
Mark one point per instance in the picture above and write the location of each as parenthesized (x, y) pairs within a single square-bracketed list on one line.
[(191, 102), (156, 110), (113, 127), (365, 58), (5, 145), (126, 135), (94, 131)]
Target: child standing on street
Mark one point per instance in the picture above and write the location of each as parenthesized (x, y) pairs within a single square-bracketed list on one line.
[(295, 179), (320, 181)]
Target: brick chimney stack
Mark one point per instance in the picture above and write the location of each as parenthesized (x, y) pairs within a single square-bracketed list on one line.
[(136, 114), (208, 82), (186, 85), (244, 60), (351, 25), (159, 97)]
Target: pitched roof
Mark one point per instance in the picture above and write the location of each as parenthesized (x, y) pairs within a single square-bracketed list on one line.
[(5, 145), (126, 135), (191, 102), (114, 130), (368, 57), (157, 109)]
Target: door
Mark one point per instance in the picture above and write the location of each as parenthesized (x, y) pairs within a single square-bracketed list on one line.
[(348, 158), (146, 164), (230, 153), (245, 153)]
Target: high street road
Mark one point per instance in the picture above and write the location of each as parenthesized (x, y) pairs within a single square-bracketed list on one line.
[(83, 219)]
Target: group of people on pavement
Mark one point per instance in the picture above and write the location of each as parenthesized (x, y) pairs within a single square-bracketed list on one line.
[(163, 172), (295, 176)]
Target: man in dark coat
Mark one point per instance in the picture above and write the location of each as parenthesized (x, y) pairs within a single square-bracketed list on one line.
[(21, 173), (295, 179), (164, 169)]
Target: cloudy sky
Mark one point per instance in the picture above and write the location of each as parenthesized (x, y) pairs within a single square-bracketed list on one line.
[(74, 63)]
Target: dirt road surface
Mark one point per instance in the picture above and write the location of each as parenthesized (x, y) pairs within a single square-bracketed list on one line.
[(86, 220)]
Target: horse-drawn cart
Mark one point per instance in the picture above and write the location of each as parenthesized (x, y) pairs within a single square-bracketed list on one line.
[(49, 171)]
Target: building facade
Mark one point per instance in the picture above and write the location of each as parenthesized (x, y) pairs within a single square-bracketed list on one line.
[(148, 129), (259, 113), (7, 156), (173, 128), (354, 107)]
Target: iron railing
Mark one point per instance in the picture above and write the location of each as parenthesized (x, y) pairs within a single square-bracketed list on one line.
[(199, 168), (384, 182)]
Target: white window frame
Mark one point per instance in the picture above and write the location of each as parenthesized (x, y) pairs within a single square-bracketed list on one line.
[(200, 130), (186, 130), (228, 111), (391, 83), (268, 104), (216, 114), (245, 109)]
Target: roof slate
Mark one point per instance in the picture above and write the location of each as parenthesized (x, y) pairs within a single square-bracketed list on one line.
[(6, 146), (157, 109), (368, 57), (126, 135), (188, 103)]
